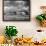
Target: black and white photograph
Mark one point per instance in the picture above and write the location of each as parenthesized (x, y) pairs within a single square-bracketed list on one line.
[(16, 10)]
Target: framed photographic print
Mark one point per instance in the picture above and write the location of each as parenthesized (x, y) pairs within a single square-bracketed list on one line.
[(16, 10)]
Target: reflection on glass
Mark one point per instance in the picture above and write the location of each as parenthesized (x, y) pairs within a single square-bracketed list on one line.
[(16, 8)]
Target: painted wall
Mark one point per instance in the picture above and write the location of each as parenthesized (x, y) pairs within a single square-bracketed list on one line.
[(25, 28)]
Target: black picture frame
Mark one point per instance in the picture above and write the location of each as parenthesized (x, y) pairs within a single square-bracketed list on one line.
[(9, 16)]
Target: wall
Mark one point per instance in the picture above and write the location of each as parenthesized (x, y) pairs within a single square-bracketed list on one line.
[(25, 28)]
